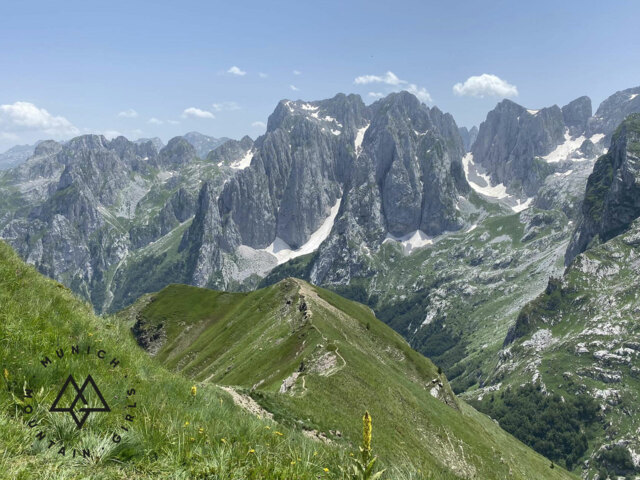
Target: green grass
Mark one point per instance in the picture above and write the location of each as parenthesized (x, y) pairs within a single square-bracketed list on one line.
[(254, 341)]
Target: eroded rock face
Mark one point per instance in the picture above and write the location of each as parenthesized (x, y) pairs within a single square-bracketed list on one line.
[(510, 139), (576, 114), (613, 111), (612, 197)]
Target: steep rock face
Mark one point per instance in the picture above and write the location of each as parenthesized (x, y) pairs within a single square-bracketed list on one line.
[(576, 114), (408, 176), (231, 152), (296, 173), (612, 197), (176, 154), (613, 111), (15, 156), (510, 139)]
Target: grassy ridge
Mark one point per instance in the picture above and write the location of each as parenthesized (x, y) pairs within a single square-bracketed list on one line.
[(174, 435), (335, 359)]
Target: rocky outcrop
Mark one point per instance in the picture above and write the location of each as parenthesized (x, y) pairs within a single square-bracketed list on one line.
[(612, 197), (511, 138), (576, 114), (613, 111)]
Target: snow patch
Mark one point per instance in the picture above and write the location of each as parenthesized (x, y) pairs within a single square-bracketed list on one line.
[(520, 206), (633, 95), (565, 149), (596, 137), (472, 228), (283, 252), (411, 241), (480, 181), (244, 162), (360, 137), (533, 112), (308, 106)]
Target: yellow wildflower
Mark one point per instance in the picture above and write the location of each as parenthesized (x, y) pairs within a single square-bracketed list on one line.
[(268, 427), (223, 440), (326, 470), (192, 439), (6, 374), (201, 431), (186, 424), (279, 434), (252, 451), (293, 462), (366, 431), (194, 390)]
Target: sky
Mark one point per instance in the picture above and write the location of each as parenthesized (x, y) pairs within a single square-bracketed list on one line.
[(145, 69)]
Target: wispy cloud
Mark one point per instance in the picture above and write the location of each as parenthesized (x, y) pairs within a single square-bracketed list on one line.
[(25, 116), (155, 121), (193, 112), (129, 113), (225, 106), (294, 88), (173, 122), (236, 71), (259, 124), (396, 83), (263, 75), (485, 85), (297, 72)]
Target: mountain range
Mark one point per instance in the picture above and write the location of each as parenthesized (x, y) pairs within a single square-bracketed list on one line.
[(458, 239)]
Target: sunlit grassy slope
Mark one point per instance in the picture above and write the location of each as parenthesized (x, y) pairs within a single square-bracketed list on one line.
[(317, 361)]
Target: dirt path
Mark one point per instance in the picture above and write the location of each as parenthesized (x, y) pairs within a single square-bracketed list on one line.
[(248, 403)]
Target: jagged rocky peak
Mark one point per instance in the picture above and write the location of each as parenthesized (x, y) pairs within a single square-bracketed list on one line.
[(157, 142), (47, 147), (613, 110), (177, 153), (576, 115), (510, 139), (612, 197), (234, 153)]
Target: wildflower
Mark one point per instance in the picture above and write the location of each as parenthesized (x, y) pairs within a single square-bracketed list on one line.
[(268, 427), (366, 431), (252, 451), (223, 440), (201, 431), (315, 454), (6, 374), (279, 434), (293, 462), (326, 469), (186, 424), (192, 439), (194, 390)]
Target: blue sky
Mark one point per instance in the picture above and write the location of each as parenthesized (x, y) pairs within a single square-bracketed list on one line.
[(163, 68)]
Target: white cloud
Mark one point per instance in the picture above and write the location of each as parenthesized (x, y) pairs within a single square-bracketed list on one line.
[(419, 92), (396, 83), (225, 106), (263, 75), (155, 121), (193, 112), (25, 116), (294, 88), (297, 72), (236, 71), (389, 78), (173, 122), (485, 85), (129, 113), (259, 125)]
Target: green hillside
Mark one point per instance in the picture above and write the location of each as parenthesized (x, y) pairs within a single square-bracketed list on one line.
[(316, 361)]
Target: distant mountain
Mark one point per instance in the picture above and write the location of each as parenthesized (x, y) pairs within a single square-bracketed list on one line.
[(468, 136), (158, 143), (203, 143), (16, 155)]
